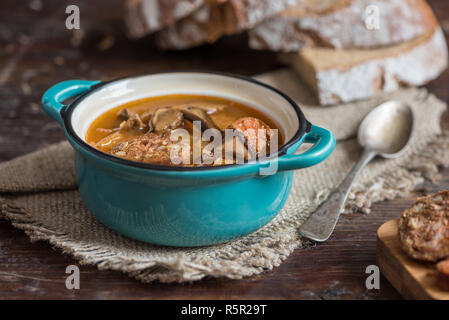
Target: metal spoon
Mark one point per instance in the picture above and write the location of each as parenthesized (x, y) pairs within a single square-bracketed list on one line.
[(385, 131)]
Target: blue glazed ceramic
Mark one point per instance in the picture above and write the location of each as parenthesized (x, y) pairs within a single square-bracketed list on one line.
[(178, 206)]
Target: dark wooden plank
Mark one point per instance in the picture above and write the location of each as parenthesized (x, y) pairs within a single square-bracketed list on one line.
[(333, 270)]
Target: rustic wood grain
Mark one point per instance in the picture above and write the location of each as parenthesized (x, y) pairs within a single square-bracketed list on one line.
[(36, 51)]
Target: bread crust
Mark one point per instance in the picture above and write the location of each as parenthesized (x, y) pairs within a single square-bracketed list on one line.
[(338, 76), (424, 228), (206, 24), (341, 24), (215, 19), (143, 17)]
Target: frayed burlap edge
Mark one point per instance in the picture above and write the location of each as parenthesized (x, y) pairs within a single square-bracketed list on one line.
[(396, 181), (263, 255)]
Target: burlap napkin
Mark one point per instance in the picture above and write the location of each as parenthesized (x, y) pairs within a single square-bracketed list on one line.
[(38, 195)]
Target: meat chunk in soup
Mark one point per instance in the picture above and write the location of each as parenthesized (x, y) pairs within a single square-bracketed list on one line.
[(150, 148), (257, 134), (131, 120)]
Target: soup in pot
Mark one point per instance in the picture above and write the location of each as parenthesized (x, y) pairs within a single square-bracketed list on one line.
[(185, 130)]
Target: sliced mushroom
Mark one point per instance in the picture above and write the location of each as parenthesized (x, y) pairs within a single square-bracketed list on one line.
[(209, 107), (193, 113), (166, 118)]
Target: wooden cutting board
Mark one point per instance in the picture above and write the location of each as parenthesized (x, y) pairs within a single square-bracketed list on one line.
[(413, 279)]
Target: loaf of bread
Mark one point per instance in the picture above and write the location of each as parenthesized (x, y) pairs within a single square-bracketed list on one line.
[(344, 24), (216, 18), (345, 75), (345, 50)]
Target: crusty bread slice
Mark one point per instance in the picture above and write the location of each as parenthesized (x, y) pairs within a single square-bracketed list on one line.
[(344, 24), (206, 24), (346, 75), (217, 18), (146, 16)]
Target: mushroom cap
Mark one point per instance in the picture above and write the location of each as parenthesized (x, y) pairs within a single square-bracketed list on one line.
[(194, 113), (165, 119)]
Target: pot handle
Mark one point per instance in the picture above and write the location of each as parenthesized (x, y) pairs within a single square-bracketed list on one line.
[(52, 98), (324, 144)]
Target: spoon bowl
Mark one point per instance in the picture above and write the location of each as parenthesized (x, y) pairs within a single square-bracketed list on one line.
[(387, 129)]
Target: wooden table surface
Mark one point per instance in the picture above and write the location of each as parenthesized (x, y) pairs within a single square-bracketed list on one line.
[(37, 51)]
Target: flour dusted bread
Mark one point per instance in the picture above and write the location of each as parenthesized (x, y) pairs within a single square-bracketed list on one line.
[(206, 24), (217, 18), (279, 25), (146, 16), (344, 24), (346, 75)]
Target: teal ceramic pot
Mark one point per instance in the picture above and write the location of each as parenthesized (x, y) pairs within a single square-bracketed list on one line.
[(179, 206)]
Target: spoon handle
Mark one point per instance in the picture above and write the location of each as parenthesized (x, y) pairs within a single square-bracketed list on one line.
[(321, 223)]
